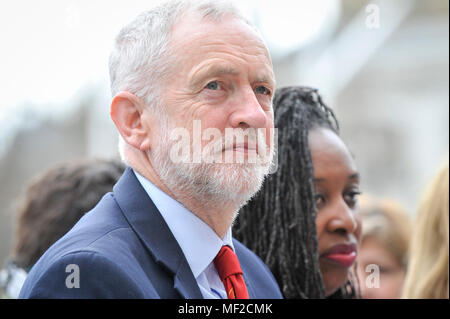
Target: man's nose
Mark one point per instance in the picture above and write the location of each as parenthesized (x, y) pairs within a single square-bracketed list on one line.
[(343, 220), (249, 112)]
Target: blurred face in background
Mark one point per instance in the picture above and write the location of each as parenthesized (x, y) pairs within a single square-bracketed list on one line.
[(391, 272), (338, 223)]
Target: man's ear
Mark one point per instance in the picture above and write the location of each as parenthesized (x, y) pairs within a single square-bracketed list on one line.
[(127, 112)]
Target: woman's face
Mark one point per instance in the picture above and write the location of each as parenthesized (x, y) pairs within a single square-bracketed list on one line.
[(338, 222), (389, 271)]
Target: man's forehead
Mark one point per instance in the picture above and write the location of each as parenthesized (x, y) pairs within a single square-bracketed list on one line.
[(193, 34)]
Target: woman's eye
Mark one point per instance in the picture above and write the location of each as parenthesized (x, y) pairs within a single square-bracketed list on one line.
[(320, 200), (262, 90), (214, 85), (352, 198)]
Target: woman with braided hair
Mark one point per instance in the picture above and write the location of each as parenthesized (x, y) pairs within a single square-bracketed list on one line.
[(304, 223)]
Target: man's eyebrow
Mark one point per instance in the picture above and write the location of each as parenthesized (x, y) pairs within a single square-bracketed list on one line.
[(354, 176), (219, 70), (264, 78), (212, 71)]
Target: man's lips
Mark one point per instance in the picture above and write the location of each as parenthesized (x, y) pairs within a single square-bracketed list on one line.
[(244, 148), (342, 254)]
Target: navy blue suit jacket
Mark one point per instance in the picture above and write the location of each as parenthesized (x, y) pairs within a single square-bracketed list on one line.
[(124, 249)]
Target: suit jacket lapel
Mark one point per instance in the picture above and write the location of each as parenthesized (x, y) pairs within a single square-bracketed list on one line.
[(150, 226), (184, 282), (246, 269), (250, 290)]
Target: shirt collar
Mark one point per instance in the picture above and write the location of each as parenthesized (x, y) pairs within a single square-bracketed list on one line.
[(199, 243)]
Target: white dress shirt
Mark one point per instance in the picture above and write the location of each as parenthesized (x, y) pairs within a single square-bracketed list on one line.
[(199, 243)]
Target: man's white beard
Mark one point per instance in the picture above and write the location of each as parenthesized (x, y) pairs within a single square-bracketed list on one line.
[(230, 184)]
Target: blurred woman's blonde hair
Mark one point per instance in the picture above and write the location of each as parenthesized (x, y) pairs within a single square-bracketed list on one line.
[(427, 275), (389, 224)]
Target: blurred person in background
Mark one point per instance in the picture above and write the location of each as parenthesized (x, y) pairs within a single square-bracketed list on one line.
[(427, 275), (384, 248), (305, 222), (54, 201)]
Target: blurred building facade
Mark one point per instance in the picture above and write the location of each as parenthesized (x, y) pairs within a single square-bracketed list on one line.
[(392, 103)]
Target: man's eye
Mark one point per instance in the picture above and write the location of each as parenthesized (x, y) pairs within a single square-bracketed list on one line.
[(262, 90), (214, 85)]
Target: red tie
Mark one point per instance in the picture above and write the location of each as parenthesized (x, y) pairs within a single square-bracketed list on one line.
[(230, 273)]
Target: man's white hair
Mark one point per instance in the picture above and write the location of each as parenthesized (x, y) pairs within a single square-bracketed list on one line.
[(140, 58)]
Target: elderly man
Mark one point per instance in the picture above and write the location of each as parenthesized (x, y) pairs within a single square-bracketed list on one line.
[(165, 230)]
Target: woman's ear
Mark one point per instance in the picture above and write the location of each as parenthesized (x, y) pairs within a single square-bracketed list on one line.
[(127, 113)]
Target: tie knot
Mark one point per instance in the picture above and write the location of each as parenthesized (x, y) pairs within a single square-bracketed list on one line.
[(226, 263)]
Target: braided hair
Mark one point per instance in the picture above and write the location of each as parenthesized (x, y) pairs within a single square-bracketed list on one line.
[(279, 223)]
